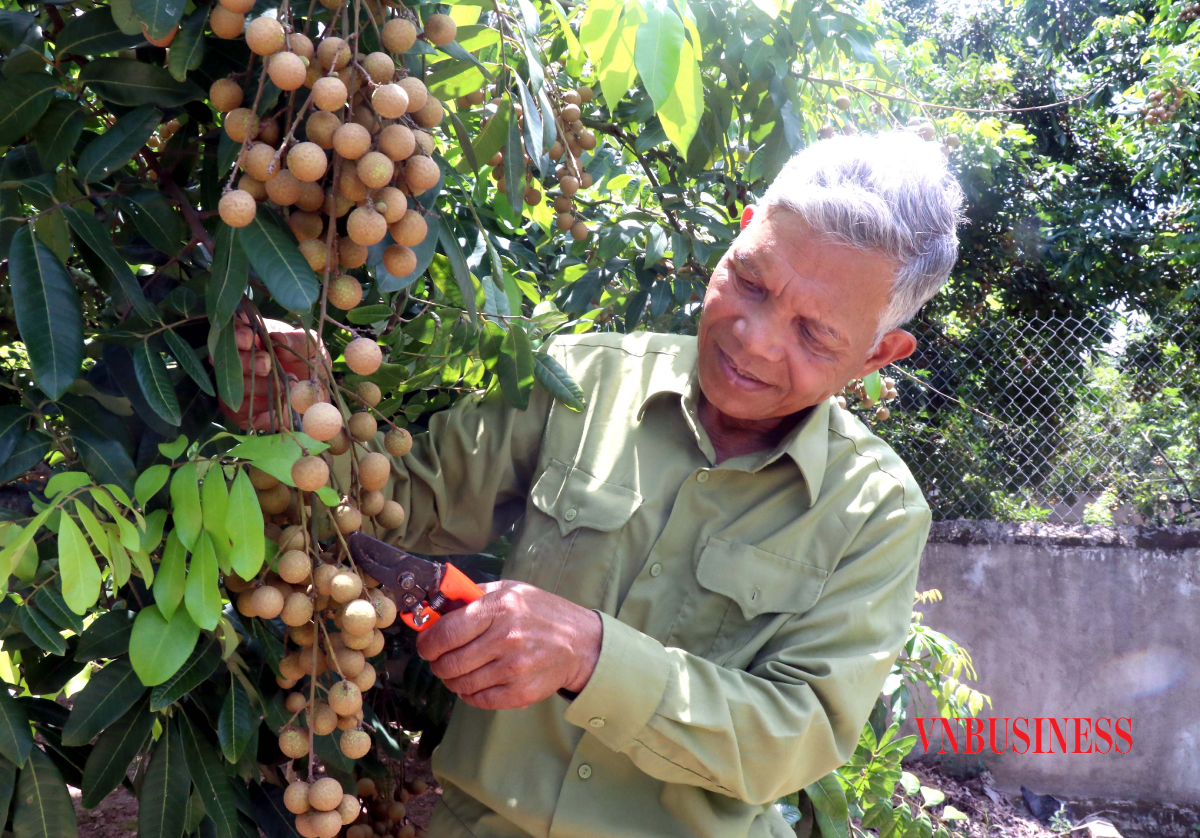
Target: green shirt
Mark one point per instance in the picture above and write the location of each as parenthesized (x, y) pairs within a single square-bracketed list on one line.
[(751, 610)]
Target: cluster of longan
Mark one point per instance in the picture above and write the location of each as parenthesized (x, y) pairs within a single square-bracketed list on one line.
[(373, 118), (858, 390), (1161, 105), (315, 804), (1189, 12)]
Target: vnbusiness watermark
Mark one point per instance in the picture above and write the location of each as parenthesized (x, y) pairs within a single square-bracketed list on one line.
[(1022, 735)]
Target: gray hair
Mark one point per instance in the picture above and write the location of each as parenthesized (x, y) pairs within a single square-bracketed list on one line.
[(891, 193)]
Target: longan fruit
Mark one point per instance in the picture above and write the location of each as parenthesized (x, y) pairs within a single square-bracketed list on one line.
[(440, 29), (349, 809), (225, 95), (236, 584), (325, 794), (340, 444), (333, 53), (586, 94), (316, 253), (398, 442), (365, 679), (323, 578), (392, 203), (240, 6), (345, 698), (321, 127), (366, 227), (226, 24), (307, 162), (322, 421), (417, 92), (397, 142), (261, 480), (347, 722), (268, 130), (237, 208), (431, 113), (283, 189), (259, 162), (532, 196), (421, 173), (351, 254), (396, 811), (287, 70), (305, 225), (564, 221), (329, 93), (410, 230), (265, 36), (245, 604), (366, 788), (344, 586), (325, 824), (368, 393), (297, 609), (586, 180), (274, 500), (323, 719), (374, 469), (392, 515), (310, 474), (375, 169), (579, 231), (303, 395), (295, 702), (569, 185), (345, 292), (241, 123), (350, 661), (294, 566), (295, 796), (347, 518), (557, 150), (312, 197), (425, 141), (390, 101), (337, 205), (563, 204), (306, 827), (399, 35), (363, 355), (300, 44), (256, 188), (351, 186), (267, 602), (371, 503), (380, 67), (352, 141), (356, 744), (399, 260), (362, 426)]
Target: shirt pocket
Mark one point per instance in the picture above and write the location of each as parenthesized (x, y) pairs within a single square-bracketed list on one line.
[(743, 591), (575, 532)]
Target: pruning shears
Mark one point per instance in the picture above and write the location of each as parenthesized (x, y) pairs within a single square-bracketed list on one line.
[(425, 589)]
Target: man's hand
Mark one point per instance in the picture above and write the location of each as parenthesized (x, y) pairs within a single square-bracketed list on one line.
[(295, 350), (513, 647)]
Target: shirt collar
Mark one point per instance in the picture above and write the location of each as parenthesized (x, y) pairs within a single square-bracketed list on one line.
[(807, 444)]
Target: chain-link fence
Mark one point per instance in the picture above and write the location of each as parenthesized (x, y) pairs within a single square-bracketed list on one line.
[(1061, 419)]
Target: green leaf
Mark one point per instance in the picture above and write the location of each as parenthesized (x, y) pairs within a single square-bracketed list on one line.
[(107, 697), (158, 16), (94, 33), (150, 481), (25, 98), (450, 79), (491, 138), (515, 367), (873, 385), (231, 384), (200, 665), (187, 50), (365, 315), (55, 607), (932, 796), (771, 7), (8, 784), (116, 748), (125, 81), (172, 571), (66, 481), (949, 813), (96, 237), (234, 725), (227, 277), (187, 359), (214, 502), (78, 568), (31, 447), (41, 631), (113, 148), (15, 736), (58, 130), (48, 314), (514, 169), (15, 548), (171, 450), (185, 504), (277, 261), (680, 113), (204, 764), (106, 637), (458, 265), (14, 421), (155, 382), (202, 591), (557, 381), (162, 803), (616, 63), (244, 523), (157, 648), (44, 808), (656, 53), (828, 796), (157, 220), (276, 453)]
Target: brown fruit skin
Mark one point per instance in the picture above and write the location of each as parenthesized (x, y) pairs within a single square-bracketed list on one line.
[(294, 566), (320, 128), (261, 480), (390, 101), (307, 162), (310, 473), (563, 204), (349, 809), (245, 604), (323, 719), (267, 603), (365, 679), (568, 185), (347, 518), (329, 93), (274, 500), (579, 231), (344, 586), (305, 225), (350, 253), (394, 202), (374, 469), (312, 197), (225, 95), (392, 515), (265, 36), (226, 24), (421, 173), (375, 169), (440, 29), (352, 141), (362, 426), (287, 70), (333, 51), (259, 162), (240, 6), (363, 355), (366, 227), (345, 292), (345, 698), (297, 609), (237, 208), (340, 444), (368, 393), (316, 253), (350, 186), (397, 142), (565, 221), (325, 794), (399, 260), (417, 92), (256, 188), (325, 824), (570, 113), (371, 503), (398, 442), (295, 797), (380, 67), (241, 123), (284, 188), (322, 421), (399, 35), (301, 44), (431, 113), (304, 394), (356, 744)]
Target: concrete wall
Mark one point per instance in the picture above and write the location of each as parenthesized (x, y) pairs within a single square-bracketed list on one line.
[(1069, 621)]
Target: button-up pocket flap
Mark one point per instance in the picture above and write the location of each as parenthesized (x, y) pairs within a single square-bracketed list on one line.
[(758, 581), (576, 499)]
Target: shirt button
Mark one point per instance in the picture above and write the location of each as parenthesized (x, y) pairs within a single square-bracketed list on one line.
[(571, 513), (597, 722), (702, 477), (585, 771), (655, 569)]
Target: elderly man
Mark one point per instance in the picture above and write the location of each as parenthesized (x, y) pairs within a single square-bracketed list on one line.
[(715, 566)]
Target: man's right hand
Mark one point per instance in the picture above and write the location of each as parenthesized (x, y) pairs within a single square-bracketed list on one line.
[(298, 352)]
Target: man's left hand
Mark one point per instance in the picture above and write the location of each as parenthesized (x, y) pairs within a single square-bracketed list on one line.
[(513, 647)]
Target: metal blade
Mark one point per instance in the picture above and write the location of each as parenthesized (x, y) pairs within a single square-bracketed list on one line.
[(394, 568)]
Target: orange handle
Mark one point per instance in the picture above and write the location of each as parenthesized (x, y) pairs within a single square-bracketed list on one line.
[(458, 591)]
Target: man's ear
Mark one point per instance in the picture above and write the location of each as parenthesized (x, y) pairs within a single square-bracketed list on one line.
[(747, 215), (893, 346)]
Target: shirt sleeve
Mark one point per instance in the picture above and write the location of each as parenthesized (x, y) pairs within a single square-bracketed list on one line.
[(797, 712), (478, 455)]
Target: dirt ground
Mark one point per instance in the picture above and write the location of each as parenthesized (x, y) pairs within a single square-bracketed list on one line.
[(993, 814)]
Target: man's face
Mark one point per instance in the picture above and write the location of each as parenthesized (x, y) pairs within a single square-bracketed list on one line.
[(789, 318)]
